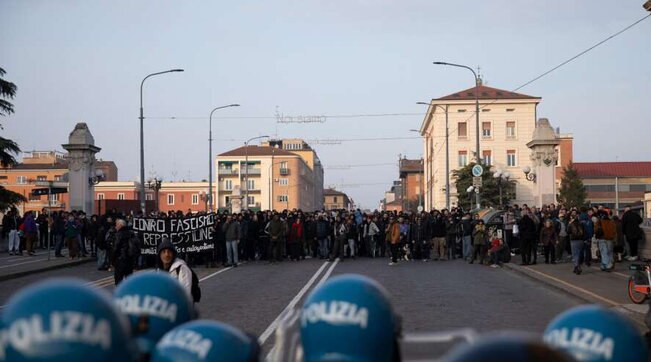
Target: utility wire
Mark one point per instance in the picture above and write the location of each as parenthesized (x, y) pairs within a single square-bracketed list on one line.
[(274, 117), (472, 114)]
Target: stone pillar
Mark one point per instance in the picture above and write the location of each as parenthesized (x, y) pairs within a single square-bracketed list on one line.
[(236, 200), (81, 167), (543, 162)]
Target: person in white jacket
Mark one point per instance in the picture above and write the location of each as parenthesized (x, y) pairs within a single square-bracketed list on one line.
[(171, 263)]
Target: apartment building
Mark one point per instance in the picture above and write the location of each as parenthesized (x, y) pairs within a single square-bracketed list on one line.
[(506, 123), (37, 167), (278, 176), (335, 200)]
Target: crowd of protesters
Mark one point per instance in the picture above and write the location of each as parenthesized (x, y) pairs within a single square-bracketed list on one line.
[(553, 232)]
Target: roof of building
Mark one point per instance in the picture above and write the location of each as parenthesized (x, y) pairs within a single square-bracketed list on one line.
[(256, 151), (485, 93), (613, 169), (411, 165), (59, 165), (330, 192)]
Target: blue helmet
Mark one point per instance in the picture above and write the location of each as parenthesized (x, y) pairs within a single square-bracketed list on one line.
[(507, 348), (205, 340), (64, 320), (593, 333), (349, 318), (155, 304)]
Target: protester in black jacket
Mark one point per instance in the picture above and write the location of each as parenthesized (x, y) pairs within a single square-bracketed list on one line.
[(122, 261), (527, 235)]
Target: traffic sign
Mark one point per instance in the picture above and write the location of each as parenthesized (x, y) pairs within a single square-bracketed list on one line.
[(477, 181), (420, 208), (51, 184), (477, 170), (54, 190)]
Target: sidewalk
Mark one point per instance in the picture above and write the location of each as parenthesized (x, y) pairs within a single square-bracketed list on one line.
[(592, 286), (15, 266)]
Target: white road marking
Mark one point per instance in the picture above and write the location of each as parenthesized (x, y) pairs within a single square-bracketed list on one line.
[(327, 274), (272, 327), (323, 279), (215, 273), (27, 262)]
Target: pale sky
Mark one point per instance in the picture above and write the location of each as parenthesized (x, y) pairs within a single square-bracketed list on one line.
[(84, 60)]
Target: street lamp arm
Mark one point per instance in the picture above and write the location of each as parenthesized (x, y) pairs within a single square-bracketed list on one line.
[(230, 105), (458, 65), (153, 74), (254, 138)]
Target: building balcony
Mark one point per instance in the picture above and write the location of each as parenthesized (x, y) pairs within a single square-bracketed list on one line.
[(284, 171), (252, 171), (227, 171)]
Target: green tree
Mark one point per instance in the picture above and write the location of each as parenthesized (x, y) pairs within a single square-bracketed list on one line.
[(8, 148), (489, 192), (572, 192)]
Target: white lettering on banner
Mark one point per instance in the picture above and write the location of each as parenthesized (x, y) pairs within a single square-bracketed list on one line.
[(187, 340), (335, 312), (190, 234), (63, 326), (149, 225), (582, 342), (148, 304)]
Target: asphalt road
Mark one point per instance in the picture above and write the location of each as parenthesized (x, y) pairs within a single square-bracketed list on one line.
[(429, 296)]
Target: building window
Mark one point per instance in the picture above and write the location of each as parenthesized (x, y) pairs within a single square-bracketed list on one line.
[(21, 179), (283, 182), (334, 199), (510, 129), (170, 199), (488, 157), (463, 158), (121, 196), (283, 198), (283, 164), (149, 197), (195, 199), (57, 178), (250, 184), (54, 197), (251, 200), (100, 196), (41, 178), (462, 129), (227, 200), (486, 129), (510, 158), (228, 184)]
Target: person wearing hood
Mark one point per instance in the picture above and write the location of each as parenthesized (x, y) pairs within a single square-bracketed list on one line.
[(175, 266)]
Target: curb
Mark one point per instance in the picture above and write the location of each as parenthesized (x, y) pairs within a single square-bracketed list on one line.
[(563, 289), (44, 269)]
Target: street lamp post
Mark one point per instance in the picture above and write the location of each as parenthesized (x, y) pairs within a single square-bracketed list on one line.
[(477, 151), (210, 198), (469, 190), (447, 153), (142, 140), (155, 184), (246, 170), (501, 176)]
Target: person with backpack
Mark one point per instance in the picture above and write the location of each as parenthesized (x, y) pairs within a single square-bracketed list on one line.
[(169, 261), (123, 261)]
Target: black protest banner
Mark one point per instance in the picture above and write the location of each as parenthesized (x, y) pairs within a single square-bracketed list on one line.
[(191, 234)]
